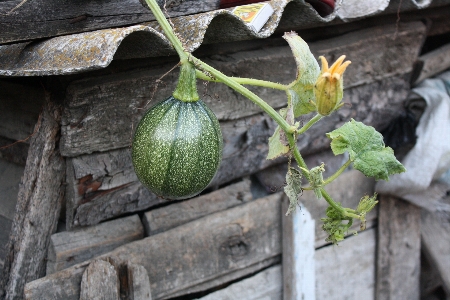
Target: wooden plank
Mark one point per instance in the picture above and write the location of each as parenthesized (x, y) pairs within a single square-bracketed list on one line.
[(398, 258), (168, 217), (432, 63), (40, 18), (102, 112), (347, 271), (210, 251), (435, 232), (298, 254), (245, 150), (72, 247), (264, 285), (38, 205), (138, 283), (347, 195), (100, 281)]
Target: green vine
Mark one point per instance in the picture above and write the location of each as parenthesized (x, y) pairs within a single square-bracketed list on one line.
[(315, 89)]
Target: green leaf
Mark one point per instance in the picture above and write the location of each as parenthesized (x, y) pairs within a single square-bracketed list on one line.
[(301, 90), (366, 150), (293, 188), (336, 225), (277, 147), (316, 179)]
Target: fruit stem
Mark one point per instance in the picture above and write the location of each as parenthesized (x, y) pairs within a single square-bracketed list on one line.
[(170, 34), (186, 89)]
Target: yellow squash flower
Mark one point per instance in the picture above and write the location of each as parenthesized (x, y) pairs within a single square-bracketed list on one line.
[(329, 87)]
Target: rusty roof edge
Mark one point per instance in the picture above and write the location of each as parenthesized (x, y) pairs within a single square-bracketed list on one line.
[(95, 50)]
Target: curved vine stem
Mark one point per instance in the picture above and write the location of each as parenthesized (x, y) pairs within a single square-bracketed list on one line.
[(246, 81), (343, 211), (310, 123), (337, 173)]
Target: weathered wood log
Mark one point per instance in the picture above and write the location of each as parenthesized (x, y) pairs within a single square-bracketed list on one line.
[(435, 234), (102, 112), (398, 261), (72, 247), (245, 150), (264, 285), (298, 254), (38, 205), (10, 175), (432, 63), (210, 251), (348, 270), (168, 217), (347, 189), (100, 281), (38, 19), (138, 283)]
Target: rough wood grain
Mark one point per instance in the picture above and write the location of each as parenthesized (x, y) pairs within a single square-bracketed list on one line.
[(435, 234), (68, 248), (245, 150), (340, 189), (298, 254), (39, 201), (40, 18), (218, 248), (168, 217), (398, 258), (100, 281), (347, 271), (433, 63), (102, 112), (138, 283), (264, 285)]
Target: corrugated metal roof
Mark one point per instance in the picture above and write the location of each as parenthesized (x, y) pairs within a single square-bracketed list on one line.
[(95, 50)]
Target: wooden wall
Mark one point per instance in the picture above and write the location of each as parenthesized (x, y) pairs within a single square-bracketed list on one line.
[(203, 247)]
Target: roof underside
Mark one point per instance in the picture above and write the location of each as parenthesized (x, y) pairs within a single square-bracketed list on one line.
[(95, 50)]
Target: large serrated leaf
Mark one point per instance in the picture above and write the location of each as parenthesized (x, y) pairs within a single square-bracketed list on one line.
[(301, 90), (366, 150)]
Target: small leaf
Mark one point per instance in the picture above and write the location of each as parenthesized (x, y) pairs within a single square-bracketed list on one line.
[(301, 90), (293, 188), (277, 147), (366, 150), (335, 225), (316, 179)]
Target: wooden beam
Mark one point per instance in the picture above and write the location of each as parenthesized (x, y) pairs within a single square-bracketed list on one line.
[(435, 231), (100, 281), (432, 63), (264, 285), (347, 271), (138, 283), (179, 213), (398, 261), (222, 246), (39, 19), (298, 254), (38, 206), (69, 248)]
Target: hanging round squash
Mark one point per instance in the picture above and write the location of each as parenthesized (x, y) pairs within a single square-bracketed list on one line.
[(177, 148)]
